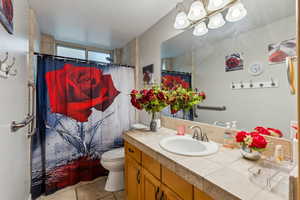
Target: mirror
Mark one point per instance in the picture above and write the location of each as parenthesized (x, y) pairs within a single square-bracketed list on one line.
[(241, 67)]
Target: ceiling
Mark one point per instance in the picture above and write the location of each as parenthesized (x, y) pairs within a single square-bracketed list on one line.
[(260, 13), (99, 23)]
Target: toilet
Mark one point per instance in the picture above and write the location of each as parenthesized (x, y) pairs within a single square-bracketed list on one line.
[(113, 161)]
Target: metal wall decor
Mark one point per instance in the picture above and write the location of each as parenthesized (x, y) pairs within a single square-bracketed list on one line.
[(7, 70)]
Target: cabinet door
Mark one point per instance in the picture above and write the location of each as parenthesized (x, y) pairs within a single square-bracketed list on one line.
[(150, 186), (168, 194), (199, 195), (132, 179)]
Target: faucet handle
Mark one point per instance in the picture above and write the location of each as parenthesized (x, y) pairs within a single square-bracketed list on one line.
[(205, 138)]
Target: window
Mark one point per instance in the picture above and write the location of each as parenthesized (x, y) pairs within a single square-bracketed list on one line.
[(85, 53), (70, 52), (98, 56)]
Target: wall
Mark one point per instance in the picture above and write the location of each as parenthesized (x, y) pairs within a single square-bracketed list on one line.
[(14, 147), (48, 44), (183, 63), (268, 107)]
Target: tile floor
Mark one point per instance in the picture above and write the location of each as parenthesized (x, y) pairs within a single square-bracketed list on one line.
[(86, 191)]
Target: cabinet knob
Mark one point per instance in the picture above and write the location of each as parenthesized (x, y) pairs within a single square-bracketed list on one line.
[(130, 150), (157, 193), (162, 197), (138, 177)]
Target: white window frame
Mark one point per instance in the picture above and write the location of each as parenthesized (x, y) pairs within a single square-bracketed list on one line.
[(81, 47)]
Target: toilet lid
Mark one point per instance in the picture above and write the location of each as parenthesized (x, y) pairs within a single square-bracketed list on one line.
[(115, 154)]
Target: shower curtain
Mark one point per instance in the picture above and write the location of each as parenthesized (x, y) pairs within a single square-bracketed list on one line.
[(82, 110)]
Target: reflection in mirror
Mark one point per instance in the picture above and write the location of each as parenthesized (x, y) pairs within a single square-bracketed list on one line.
[(241, 67)]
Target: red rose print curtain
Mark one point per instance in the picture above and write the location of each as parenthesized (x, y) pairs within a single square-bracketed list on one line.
[(82, 111)]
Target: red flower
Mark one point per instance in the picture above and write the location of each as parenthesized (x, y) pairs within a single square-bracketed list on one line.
[(240, 136), (172, 82), (275, 132), (203, 95), (233, 62), (262, 130), (161, 96), (258, 141), (74, 91), (144, 92), (136, 104), (150, 95), (134, 93)]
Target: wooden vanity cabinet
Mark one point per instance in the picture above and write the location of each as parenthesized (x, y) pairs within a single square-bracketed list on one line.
[(146, 179), (133, 177), (168, 194), (199, 195), (150, 187)]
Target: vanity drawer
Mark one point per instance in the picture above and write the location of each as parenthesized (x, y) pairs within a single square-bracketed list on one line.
[(133, 152), (177, 184), (199, 195), (151, 165)]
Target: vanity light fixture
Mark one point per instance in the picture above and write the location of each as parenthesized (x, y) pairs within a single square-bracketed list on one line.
[(216, 21), (197, 11), (181, 21), (208, 10), (200, 29), (236, 12), (216, 4)]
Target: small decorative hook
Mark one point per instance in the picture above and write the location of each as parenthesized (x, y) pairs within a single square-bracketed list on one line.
[(251, 84), (9, 67), (273, 84), (242, 85), (233, 86), (6, 69)]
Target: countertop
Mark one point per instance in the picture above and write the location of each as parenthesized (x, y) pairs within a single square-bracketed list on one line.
[(223, 175)]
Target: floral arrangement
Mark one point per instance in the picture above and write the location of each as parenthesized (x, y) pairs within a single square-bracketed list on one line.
[(184, 99), (268, 131), (254, 140), (173, 82), (152, 100)]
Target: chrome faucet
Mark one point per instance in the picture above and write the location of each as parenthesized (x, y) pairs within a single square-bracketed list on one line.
[(199, 134)]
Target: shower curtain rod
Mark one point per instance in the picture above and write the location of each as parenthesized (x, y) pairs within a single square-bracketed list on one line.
[(83, 60), (177, 72)]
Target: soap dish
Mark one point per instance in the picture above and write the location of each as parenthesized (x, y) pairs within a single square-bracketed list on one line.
[(139, 126), (268, 174)]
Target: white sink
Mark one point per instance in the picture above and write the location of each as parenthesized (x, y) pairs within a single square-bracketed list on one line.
[(187, 146)]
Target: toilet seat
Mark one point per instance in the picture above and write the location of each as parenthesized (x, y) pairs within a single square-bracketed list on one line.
[(114, 155)]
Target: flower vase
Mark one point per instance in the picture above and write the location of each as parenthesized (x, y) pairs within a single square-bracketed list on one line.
[(249, 153), (153, 123), (185, 115)]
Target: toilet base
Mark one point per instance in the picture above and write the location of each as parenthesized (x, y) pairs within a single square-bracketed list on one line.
[(115, 181)]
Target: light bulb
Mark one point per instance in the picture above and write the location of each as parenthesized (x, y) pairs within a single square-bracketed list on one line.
[(197, 11), (181, 21), (216, 4), (236, 12), (200, 29), (216, 21)]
